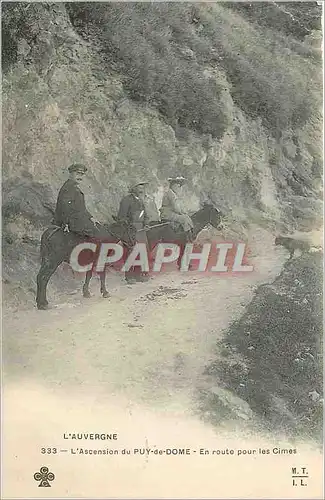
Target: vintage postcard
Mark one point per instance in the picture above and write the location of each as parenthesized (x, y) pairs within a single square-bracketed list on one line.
[(162, 250)]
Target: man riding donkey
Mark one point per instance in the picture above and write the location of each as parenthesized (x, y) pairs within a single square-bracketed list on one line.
[(71, 212), (72, 224), (132, 210), (171, 209)]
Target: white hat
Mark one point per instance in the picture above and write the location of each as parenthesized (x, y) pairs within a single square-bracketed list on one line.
[(141, 183), (177, 180)]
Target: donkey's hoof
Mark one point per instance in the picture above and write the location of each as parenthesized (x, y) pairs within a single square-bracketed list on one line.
[(42, 307), (105, 295), (86, 295)]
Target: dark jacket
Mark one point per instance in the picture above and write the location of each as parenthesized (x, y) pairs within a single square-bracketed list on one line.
[(132, 210), (71, 209)]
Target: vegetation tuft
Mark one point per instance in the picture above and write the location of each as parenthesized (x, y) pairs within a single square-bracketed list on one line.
[(278, 340), (164, 49)]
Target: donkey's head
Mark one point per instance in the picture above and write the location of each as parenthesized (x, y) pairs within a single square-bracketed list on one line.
[(123, 232), (212, 215)]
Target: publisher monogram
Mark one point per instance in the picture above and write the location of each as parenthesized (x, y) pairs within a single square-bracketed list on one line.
[(44, 476)]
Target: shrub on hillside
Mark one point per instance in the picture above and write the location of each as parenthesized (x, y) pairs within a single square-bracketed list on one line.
[(268, 79), (279, 342), (142, 38), (163, 50), (11, 17), (292, 18)]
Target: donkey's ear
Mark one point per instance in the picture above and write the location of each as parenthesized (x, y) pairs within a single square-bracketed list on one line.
[(207, 204), (114, 217)]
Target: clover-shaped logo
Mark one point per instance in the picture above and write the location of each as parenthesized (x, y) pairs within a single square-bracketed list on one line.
[(44, 476)]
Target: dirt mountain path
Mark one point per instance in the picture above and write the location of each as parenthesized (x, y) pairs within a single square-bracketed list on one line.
[(149, 342), (132, 365)]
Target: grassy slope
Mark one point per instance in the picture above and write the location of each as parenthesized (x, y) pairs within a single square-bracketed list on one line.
[(272, 357), (162, 50)]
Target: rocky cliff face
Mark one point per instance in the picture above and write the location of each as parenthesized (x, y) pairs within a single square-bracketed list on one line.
[(135, 90)]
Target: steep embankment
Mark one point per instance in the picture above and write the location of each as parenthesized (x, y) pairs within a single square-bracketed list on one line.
[(216, 92), (272, 357)]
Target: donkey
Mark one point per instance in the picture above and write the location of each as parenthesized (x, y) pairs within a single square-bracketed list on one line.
[(172, 233), (168, 232), (57, 245)]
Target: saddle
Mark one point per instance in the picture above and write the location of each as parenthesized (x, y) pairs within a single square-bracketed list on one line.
[(53, 228)]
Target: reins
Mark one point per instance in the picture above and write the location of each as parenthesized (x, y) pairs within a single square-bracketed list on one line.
[(118, 238)]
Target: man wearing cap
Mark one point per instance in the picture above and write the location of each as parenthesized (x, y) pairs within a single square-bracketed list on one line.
[(71, 212), (170, 208), (132, 210)]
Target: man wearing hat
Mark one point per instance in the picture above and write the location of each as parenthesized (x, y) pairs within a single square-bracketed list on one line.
[(71, 212), (170, 209), (133, 211)]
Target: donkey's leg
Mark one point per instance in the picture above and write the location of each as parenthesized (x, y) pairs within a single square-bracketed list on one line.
[(48, 267), (85, 288), (184, 256), (41, 287), (103, 289), (181, 254)]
